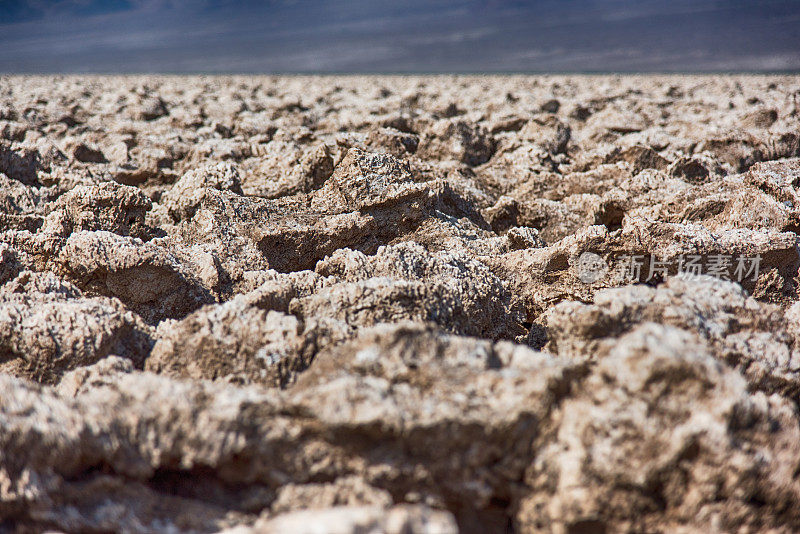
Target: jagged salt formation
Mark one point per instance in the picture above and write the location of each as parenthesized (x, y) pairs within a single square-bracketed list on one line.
[(399, 304)]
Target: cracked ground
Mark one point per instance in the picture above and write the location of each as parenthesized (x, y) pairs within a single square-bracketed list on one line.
[(400, 304)]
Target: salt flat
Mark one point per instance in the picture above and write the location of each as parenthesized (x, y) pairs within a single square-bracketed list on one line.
[(400, 303)]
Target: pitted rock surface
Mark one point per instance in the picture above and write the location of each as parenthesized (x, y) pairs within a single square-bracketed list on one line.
[(400, 304)]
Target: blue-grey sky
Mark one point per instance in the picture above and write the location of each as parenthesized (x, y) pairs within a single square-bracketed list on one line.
[(399, 36)]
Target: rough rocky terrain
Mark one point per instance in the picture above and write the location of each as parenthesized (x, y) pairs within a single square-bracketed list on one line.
[(400, 304)]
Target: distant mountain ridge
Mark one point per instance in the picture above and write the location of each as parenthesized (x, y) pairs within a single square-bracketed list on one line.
[(386, 36)]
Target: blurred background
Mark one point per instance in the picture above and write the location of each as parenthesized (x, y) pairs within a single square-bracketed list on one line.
[(300, 36)]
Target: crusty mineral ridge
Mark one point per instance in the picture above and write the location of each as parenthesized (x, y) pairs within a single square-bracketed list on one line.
[(400, 304)]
